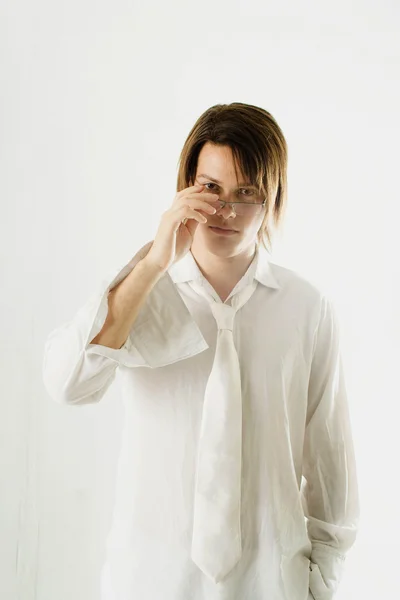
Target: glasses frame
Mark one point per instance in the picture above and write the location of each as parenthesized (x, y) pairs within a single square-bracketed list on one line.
[(225, 202)]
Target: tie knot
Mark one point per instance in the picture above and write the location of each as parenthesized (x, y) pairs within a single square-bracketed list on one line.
[(224, 315)]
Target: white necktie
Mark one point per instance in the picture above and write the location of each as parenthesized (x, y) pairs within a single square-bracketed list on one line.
[(216, 543)]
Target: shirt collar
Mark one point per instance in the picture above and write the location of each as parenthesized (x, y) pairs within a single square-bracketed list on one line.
[(260, 269)]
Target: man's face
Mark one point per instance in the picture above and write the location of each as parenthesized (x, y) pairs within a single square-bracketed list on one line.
[(216, 163)]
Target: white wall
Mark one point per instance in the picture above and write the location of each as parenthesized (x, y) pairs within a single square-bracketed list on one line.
[(96, 101)]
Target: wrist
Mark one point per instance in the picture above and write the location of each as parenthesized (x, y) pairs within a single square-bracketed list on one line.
[(153, 266)]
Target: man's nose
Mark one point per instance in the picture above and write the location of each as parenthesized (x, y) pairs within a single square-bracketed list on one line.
[(226, 211)]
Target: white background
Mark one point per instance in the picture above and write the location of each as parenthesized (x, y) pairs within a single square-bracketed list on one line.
[(96, 101)]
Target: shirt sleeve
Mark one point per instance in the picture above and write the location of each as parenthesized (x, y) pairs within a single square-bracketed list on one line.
[(330, 494), (78, 372)]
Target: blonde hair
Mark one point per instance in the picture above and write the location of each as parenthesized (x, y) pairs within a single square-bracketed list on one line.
[(257, 145)]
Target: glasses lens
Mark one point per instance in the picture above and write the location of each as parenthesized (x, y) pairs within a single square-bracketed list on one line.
[(247, 210)]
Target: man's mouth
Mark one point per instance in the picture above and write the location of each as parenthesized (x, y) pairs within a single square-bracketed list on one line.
[(222, 230)]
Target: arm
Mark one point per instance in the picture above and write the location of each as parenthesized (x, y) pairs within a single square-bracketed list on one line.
[(131, 325), (330, 494)]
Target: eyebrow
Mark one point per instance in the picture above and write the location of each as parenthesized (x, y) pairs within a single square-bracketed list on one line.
[(217, 181)]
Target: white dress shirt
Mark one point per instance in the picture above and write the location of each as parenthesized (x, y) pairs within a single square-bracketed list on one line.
[(300, 506)]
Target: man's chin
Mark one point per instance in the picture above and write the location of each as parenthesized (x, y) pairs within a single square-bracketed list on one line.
[(217, 244)]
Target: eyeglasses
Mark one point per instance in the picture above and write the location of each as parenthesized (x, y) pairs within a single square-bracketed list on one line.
[(245, 209), (241, 208)]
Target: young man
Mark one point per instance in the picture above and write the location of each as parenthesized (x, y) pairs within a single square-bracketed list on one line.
[(237, 476)]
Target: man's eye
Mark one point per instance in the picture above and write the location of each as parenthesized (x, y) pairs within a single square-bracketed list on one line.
[(249, 192)]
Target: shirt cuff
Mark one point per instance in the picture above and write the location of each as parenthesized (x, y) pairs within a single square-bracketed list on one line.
[(326, 570), (164, 331)]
